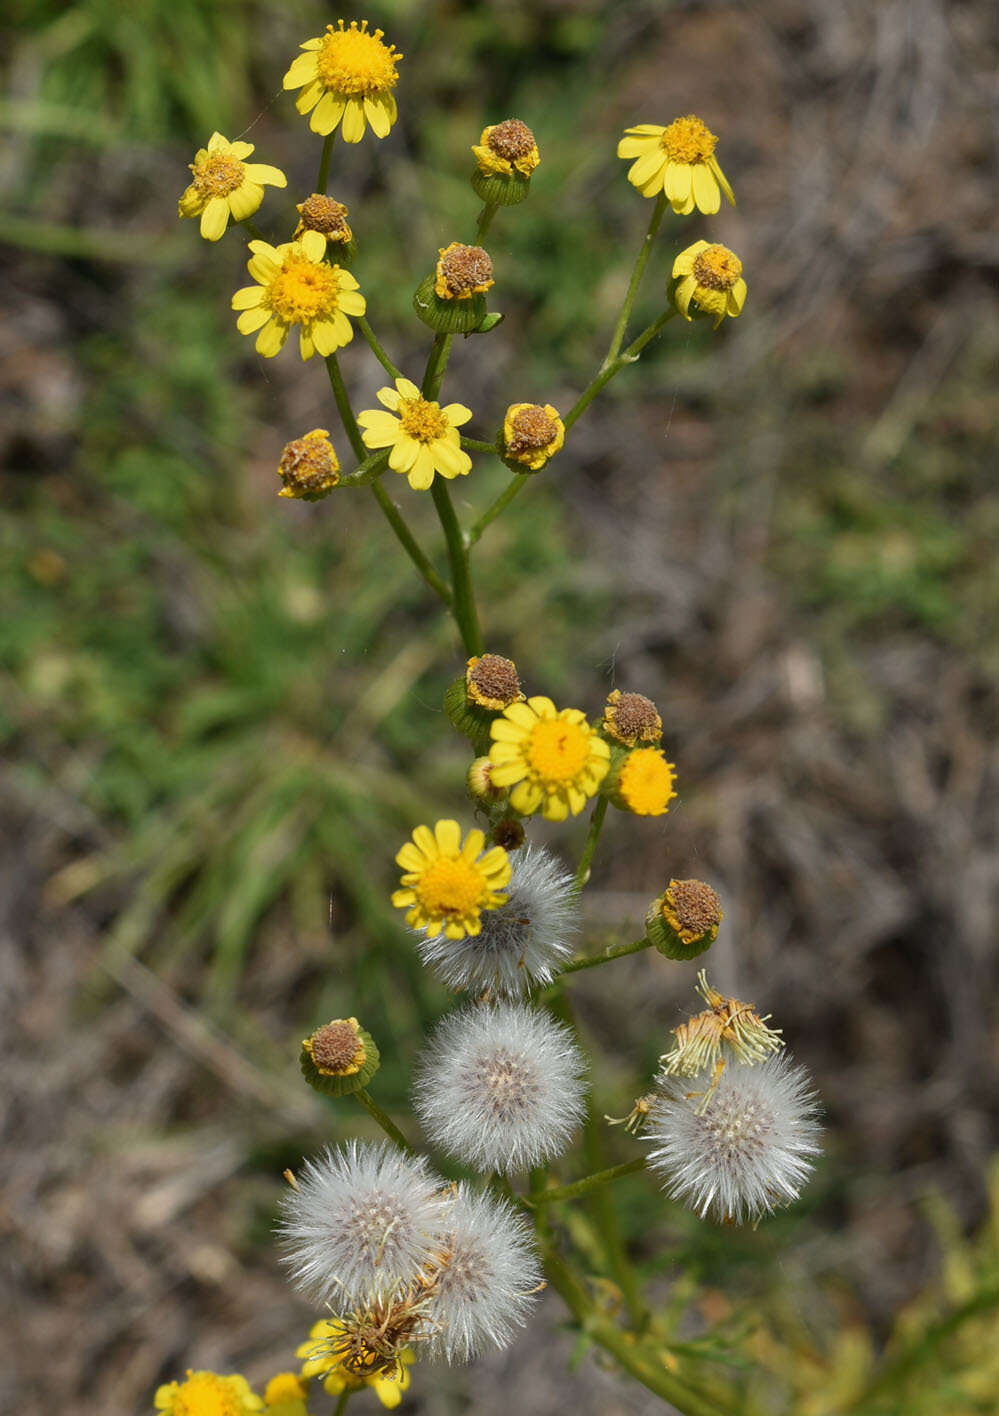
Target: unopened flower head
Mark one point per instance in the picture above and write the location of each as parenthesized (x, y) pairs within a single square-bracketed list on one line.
[(321, 1359), (631, 718), (532, 433), (321, 213), (207, 1394), (520, 943), (361, 1220), (226, 185), (709, 277), (507, 147), (727, 1025), (309, 467), (642, 782), (553, 760), (745, 1154), (346, 77), (462, 271), (295, 286), (423, 436), (447, 884), (500, 1087), (487, 1280), (684, 920), (678, 160)]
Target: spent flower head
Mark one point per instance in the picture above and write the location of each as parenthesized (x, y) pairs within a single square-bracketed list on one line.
[(346, 76), (309, 467), (361, 1220), (678, 160), (226, 185), (500, 1086), (448, 884), (727, 1026), (295, 286), (684, 920), (749, 1151), (709, 277), (339, 1057), (487, 1278), (207, 1394), (321, 1358), (520, 943), (423, 436), (532, 434), (507, 147), (321, 213), (462, 271), (631, 718), (553, 760)]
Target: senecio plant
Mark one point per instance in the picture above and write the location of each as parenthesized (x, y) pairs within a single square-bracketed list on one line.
[(402, 1265)]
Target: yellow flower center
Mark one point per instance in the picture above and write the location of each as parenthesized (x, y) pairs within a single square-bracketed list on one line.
[(205, 1394), (688, 140), (355, 63), (558, 750), (647, 782), (450, 887), (218, 175), (423, 421), (717, 268), (302, 290)]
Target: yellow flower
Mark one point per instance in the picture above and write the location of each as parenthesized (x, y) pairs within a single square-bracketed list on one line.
[(309, 467), (506, 146), (207, 1394), (447, 884), (555, 758), (346, 77), (295, 286), (711, 277), (320, 1361), (462, 271), (678, 160), (224, 185), (286, 1386), (644, 784), (532, 433), (423, 436)]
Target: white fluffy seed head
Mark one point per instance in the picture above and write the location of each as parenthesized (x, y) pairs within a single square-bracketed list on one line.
[(362, 1222), (489, 1281), (750, 1151), (500, 1087), (523, 942)]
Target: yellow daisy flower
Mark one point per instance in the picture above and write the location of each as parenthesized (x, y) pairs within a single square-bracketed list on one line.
[(505, 147), (711, 277), (346, 77), (207, 1394), (678, 160), (320, 1362), (532, 433), (555, 758), (295, 286), (447, 885), (645, 782), (225, 185), (423, 436)]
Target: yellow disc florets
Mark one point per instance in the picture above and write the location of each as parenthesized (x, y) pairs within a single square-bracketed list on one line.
[(558, 750), (356, 63), (645, 784), (688, 140), (303, 289), (218, 174), (447, 884), (449, 887), (422, 420), (717, 268), (207, 1394)]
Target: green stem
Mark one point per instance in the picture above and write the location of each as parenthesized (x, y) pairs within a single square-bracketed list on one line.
[(500, 505), (485, 221), (385, 1122), (367, 471), (607, 372), (583, 1187), (474, 445), (605, 1218), (253, 229), (616, 952), (463, 603), (341, 1405), (592, 836), (433, 377), (391, 512), (323, 176), (658, 212), (377, 349)]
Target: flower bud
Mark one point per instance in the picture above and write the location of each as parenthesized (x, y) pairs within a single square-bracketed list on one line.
[(339, 1058), (684, 921)]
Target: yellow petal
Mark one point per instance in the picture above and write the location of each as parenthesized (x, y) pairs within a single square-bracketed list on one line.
[(448, 837), (215, 219), (304, 69), (423, 837), (526, 798), (407, 389), (449, 460), (721, 179), (474, 842), (504, 775), (217, 143), (556, 808), (309, 96), (306, 345), (737, 297), (648, 167), (240, 150), (263, 173), (506, 732), (313, 243), (352, 126), (404, 452), (252, 320), (522, 714), (542, 706), (707, 196), (635, 146), (248, 297), (377, 113), (645, 130), (456, 414), (677, 185), (409, 857), (324, 336), (245, 200), (390, 397), (421, 474), (271, 338), (352, 303)]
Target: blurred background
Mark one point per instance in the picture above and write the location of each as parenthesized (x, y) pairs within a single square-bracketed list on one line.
[(221, 711)]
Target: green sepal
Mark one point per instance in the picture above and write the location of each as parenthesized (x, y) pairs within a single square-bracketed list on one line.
[(497, 189), (448, 316), (471, 719), (342, 1086), (665, 939)]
